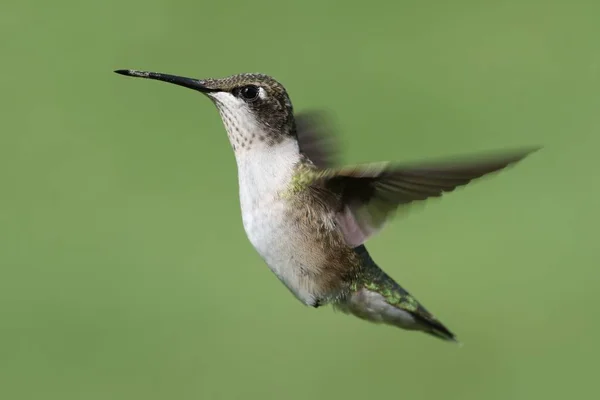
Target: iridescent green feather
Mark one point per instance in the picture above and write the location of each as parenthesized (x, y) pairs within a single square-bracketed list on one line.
[(375, 279)]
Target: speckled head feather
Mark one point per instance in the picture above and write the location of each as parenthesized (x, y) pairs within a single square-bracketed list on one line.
[(239, 80), (266, 100)]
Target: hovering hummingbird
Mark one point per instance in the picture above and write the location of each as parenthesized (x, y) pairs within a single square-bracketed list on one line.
[(306, 216)]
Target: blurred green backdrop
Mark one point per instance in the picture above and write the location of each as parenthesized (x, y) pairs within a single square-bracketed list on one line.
[(125, 272)]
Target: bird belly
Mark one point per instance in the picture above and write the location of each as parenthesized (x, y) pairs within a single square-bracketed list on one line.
[(278, 241)]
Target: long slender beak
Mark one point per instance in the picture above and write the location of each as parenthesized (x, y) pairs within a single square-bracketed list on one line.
[(189, 83)]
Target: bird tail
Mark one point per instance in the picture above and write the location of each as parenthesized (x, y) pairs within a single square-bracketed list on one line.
[(378, 298)]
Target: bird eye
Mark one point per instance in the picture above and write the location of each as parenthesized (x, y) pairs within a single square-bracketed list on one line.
[(249, 92)]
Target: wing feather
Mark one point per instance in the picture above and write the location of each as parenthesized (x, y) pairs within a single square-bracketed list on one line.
[(369, 194)]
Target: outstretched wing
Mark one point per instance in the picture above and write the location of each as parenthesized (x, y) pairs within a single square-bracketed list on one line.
[(369, 194)]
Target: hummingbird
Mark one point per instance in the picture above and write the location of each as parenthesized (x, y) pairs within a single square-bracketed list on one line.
[(307, 216)]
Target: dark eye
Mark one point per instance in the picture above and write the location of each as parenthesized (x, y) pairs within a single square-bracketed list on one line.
[(249, 92)]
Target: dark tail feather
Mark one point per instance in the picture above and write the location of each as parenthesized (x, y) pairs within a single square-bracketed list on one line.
[(436, 328)]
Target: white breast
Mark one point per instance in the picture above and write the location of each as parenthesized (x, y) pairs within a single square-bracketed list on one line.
[(264, 173), (265, 170)]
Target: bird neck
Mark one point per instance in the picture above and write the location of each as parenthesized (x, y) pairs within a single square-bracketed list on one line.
[(267, 168)]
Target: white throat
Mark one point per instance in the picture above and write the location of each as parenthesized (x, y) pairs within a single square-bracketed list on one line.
[(267, 169), (264, 174), (265, 166)]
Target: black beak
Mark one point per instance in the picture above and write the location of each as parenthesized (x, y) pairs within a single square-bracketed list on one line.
[(177, 80)]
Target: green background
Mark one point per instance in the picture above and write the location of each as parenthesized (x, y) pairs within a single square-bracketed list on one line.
[(125, 271)]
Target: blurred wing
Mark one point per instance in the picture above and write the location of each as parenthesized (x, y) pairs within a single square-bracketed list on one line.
[(369, 194), (317, 138)]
